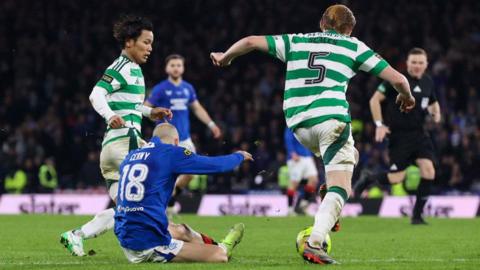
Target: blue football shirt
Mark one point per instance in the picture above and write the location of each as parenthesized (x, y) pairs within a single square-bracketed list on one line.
[(147, 179), (177, 98)]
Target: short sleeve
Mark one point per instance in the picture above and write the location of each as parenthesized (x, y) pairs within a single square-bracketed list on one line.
[(111, 80), (369, 61), (386, 88), (279, 46), (433, 97), (382, 88), (193, 95)]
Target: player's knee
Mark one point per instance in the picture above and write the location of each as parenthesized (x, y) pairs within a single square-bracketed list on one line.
[(107, 213), (396, 177), (427, 170), (180, 232), (428, 173)]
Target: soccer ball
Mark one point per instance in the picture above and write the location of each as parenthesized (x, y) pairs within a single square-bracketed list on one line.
[(303, 236)]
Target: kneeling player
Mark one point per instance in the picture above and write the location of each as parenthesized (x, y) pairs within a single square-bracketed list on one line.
[(146, 184)]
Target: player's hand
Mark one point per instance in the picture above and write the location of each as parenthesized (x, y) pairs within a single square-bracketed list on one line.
[(380, 133), (246, 155), (295, 156), (159, 113), (217, 133), (219, 60), (406, 102), (116, 122)]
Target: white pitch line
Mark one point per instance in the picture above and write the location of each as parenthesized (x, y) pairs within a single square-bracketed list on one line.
[(56, 263), (410, 260), (385, 260), (389, 260)]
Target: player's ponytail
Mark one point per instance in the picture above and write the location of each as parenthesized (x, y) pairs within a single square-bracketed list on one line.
[(339, 18)]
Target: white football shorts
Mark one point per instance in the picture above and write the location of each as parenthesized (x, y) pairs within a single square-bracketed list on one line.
[(333, 141)]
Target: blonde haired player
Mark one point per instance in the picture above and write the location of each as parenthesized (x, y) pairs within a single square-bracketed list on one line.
[(319, 67)]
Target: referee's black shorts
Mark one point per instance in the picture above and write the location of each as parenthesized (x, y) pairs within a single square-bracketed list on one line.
[(406, 147)]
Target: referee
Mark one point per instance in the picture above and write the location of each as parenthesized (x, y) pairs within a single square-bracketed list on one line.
[(409, 143)]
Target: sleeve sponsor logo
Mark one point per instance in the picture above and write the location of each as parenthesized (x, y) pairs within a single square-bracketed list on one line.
[(107, 78)]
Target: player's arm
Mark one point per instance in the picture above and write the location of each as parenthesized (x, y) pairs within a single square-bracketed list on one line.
[(241, 47), (376, 109), (368, 61), (401, 85), (186, 162), (434, 110), (99, 103), (203, 116), (153, 112)]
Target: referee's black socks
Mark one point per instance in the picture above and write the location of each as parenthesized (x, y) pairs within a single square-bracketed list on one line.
[(174, 197), (423, 191), (380, 178), (367, 179)]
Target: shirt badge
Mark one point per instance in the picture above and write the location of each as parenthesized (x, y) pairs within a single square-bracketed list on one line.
[(187, 152)]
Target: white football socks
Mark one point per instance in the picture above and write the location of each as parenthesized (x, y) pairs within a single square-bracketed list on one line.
[(326, 216), (102, 222)]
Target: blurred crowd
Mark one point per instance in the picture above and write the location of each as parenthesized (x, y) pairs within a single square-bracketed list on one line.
[(53, 52)]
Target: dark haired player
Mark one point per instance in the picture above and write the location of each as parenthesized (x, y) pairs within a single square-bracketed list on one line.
[(118, 97), (408, 141), (180, 96)]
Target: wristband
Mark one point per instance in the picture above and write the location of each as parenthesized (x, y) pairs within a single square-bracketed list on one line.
[(378, 123), (145, 110), (211, 124)]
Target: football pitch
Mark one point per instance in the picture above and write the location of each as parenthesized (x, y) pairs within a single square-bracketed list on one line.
[(32, 242)]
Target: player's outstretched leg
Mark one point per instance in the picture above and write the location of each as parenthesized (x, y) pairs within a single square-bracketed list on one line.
[(187, 234), (73, 243), (73, 240), (233, 238), (194, 252)]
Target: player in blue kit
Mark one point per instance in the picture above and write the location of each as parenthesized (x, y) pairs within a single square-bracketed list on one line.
[(301, 165), (146, 183), (179, 96)]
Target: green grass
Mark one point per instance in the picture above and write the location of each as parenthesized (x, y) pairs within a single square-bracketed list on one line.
[(31, 242)]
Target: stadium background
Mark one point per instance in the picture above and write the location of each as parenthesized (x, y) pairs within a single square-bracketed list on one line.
[(53, 52)]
